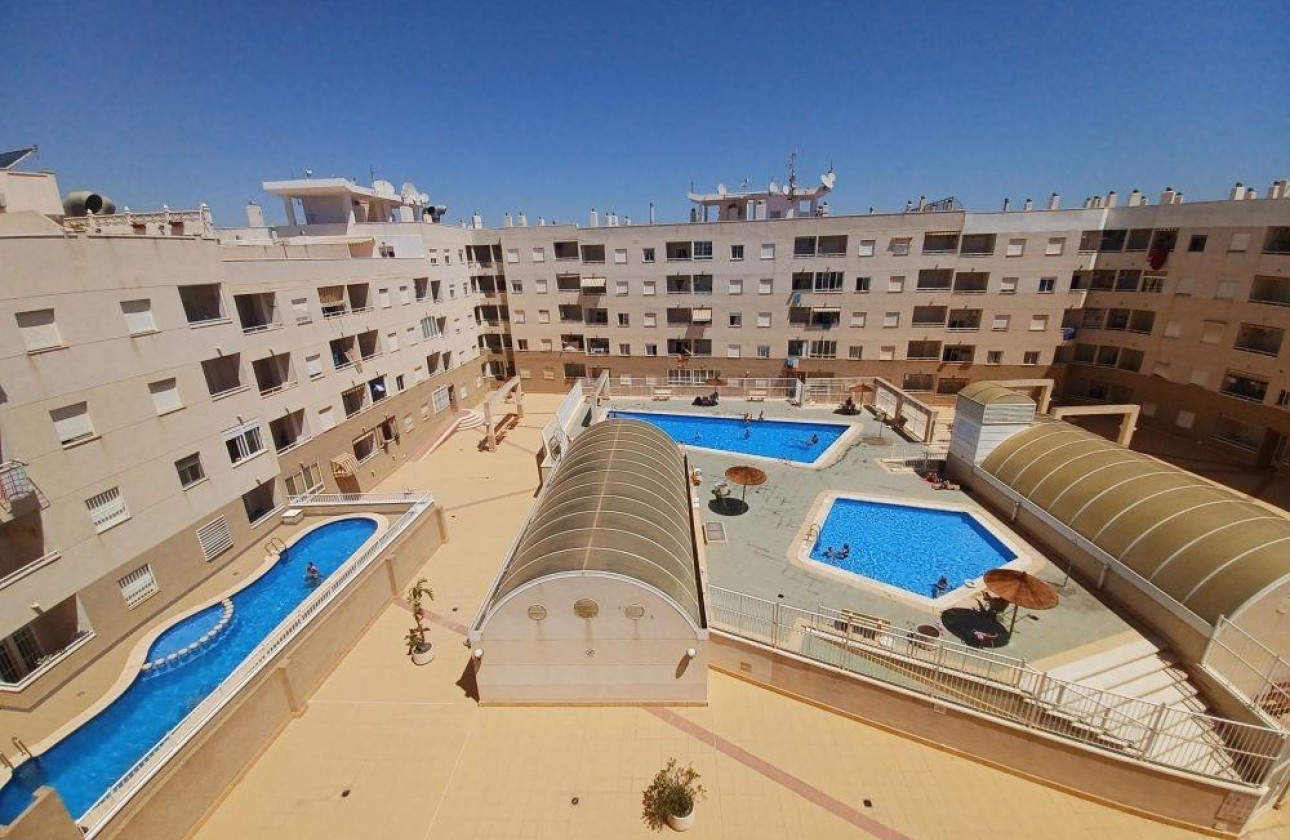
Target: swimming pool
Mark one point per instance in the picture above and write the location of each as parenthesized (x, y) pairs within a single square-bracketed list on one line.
[(802, 443), (83, 765), (909, 547)]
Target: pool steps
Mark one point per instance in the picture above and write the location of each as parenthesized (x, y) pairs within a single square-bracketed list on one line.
[(225, 618)]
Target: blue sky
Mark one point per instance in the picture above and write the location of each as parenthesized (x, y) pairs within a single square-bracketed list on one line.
[(554, 108)]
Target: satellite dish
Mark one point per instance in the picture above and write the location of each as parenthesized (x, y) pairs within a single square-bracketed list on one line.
[(383, 187), (409, 192), (721, 189), (774, 187), (828, 179)]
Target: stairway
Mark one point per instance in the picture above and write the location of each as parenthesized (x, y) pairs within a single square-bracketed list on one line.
[(471, 419)]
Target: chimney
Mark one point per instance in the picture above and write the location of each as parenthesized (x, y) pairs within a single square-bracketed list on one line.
[(524, 220), (254, 215), (1029, 205), (909, 205), (1167, 197), (1278, 190), (477, 221), (594, 218), (1238, 192), (651, 212), (1178, 197), (1054, 202), (1135, 199), (922, 203), (613, 219), (1112, 198), (1006, 202), (1250, 194), (509, 223), (1088, 203), (627, 221), (541, 222)]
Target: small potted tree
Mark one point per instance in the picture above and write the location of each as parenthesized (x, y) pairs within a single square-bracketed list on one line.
[(419, 646), (670, 798)]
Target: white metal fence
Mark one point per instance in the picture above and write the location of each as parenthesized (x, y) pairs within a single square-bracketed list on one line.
[(395, 497), (987, 682), (1251, 669), (133, 780)]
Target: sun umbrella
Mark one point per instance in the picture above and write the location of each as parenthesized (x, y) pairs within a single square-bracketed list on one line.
[(1020, 589), (715, 381), (746, 477)]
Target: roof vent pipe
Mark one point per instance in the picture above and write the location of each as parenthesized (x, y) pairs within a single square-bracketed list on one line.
[(509, 222), (1112, 198), (1167, 197), (1006, 202), (1029, 205), (594, 218), (651, 213), (1054, 202), (1278, 190), (1238, 192), (1135, 199), (922, 203), (524, 220), (1088, 203)]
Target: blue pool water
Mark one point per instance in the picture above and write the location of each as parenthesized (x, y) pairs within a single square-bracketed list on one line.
[(909, 547), (766, 438), (86, 763)]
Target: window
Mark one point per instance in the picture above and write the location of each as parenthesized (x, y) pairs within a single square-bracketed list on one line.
[(899, 246), (733, 351), (1038, 323), (763, 351), (887, 353), (39, 331), (650, 288), (1226, 290), (72, 423), (736, 252), (855, 352), (138, 316), (1016, 248), (1239, 243), (1001, 321), (202, 304), (736, 286), (768, 251), (994, 357), (891, 319), (867, 247), (538, 255), (624, 319), (1047, 285), (651, 319), (243, 441), (703, 250), (440, 398), (1056, 245), (1030, 357), (430, 327), (896, 284), (326, 418), (1008, 286), (763, 319), (547, 345), (620, 256), (858, 319), (1197, 243), (165, 396), (190, 470), (647, 255), (309, 479), (138, 586), (107, 509), (862, 284), (1212, 332), (651, 349), (620, 288), (736, 319), (392, 340), (766, 286), (520, 344)]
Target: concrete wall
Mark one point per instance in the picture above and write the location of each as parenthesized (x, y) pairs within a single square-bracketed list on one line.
[(606, 659), (1138, 788)]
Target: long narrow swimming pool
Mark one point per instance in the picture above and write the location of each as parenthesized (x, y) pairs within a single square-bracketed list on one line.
[(802, 443), (82, 766), (908, 546)]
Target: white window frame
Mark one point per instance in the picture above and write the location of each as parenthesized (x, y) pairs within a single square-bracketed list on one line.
[(242, 435), (868, 247), (72, 426), (165, 399)]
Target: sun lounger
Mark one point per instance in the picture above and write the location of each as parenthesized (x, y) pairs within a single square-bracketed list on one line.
[(756, 396), (662, 393)]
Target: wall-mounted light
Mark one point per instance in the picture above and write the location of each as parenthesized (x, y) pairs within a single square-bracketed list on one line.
[(691, 653), (478, 653)]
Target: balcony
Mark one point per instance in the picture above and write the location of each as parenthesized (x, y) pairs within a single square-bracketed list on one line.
[(964, 320), (941, 243), (929, 316), (273, 374), (203, 305), (1271, 290), (923, 351), (1265, 341), (935, 280), (598, 347), (572, 343), (567, 251), (568, 283), (257, 312), (223, 374), (1277, 241), (977, 245), (354, 400), (369, 345), (960, 353), (18, 493), (344, 352), (15, 571), (678, 251), (288, 432), (971, 282), (1244, 387), (593, 254)]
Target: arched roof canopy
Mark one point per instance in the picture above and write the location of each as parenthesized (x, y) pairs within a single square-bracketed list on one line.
[(618, 503), (1204, 546)]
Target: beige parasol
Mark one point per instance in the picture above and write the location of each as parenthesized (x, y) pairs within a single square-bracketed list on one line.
[(1021, 589), (746, 477)]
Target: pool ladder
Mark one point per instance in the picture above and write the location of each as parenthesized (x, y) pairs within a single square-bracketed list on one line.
[(812, 533), (22, 748), (275, 547)]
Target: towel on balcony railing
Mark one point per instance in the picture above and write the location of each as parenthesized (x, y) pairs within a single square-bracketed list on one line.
[(344, 466)]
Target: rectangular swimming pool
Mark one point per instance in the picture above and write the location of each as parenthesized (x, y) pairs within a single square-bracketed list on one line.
[(907, 546), (802, 443)]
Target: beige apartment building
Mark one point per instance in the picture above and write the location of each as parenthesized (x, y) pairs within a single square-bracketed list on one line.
[(930, 299), (167, 387)]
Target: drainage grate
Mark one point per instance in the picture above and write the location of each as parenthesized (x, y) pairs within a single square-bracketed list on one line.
[(714, 532)]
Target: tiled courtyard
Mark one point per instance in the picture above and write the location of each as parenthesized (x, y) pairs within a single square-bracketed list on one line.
[(387, 750)]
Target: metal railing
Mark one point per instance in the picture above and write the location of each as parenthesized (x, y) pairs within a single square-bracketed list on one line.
[(1251, 669), (389, 497), (996, 685), (132, 781), (14, 483)]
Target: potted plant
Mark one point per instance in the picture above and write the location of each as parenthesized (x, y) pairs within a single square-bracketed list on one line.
[(669, 799), (419, 646)]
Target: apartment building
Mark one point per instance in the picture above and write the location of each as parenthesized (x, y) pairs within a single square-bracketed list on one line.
[(167, 386), (1187, 311)]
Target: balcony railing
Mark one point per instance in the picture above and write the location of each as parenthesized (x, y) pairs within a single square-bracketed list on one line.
[(14, 483)]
